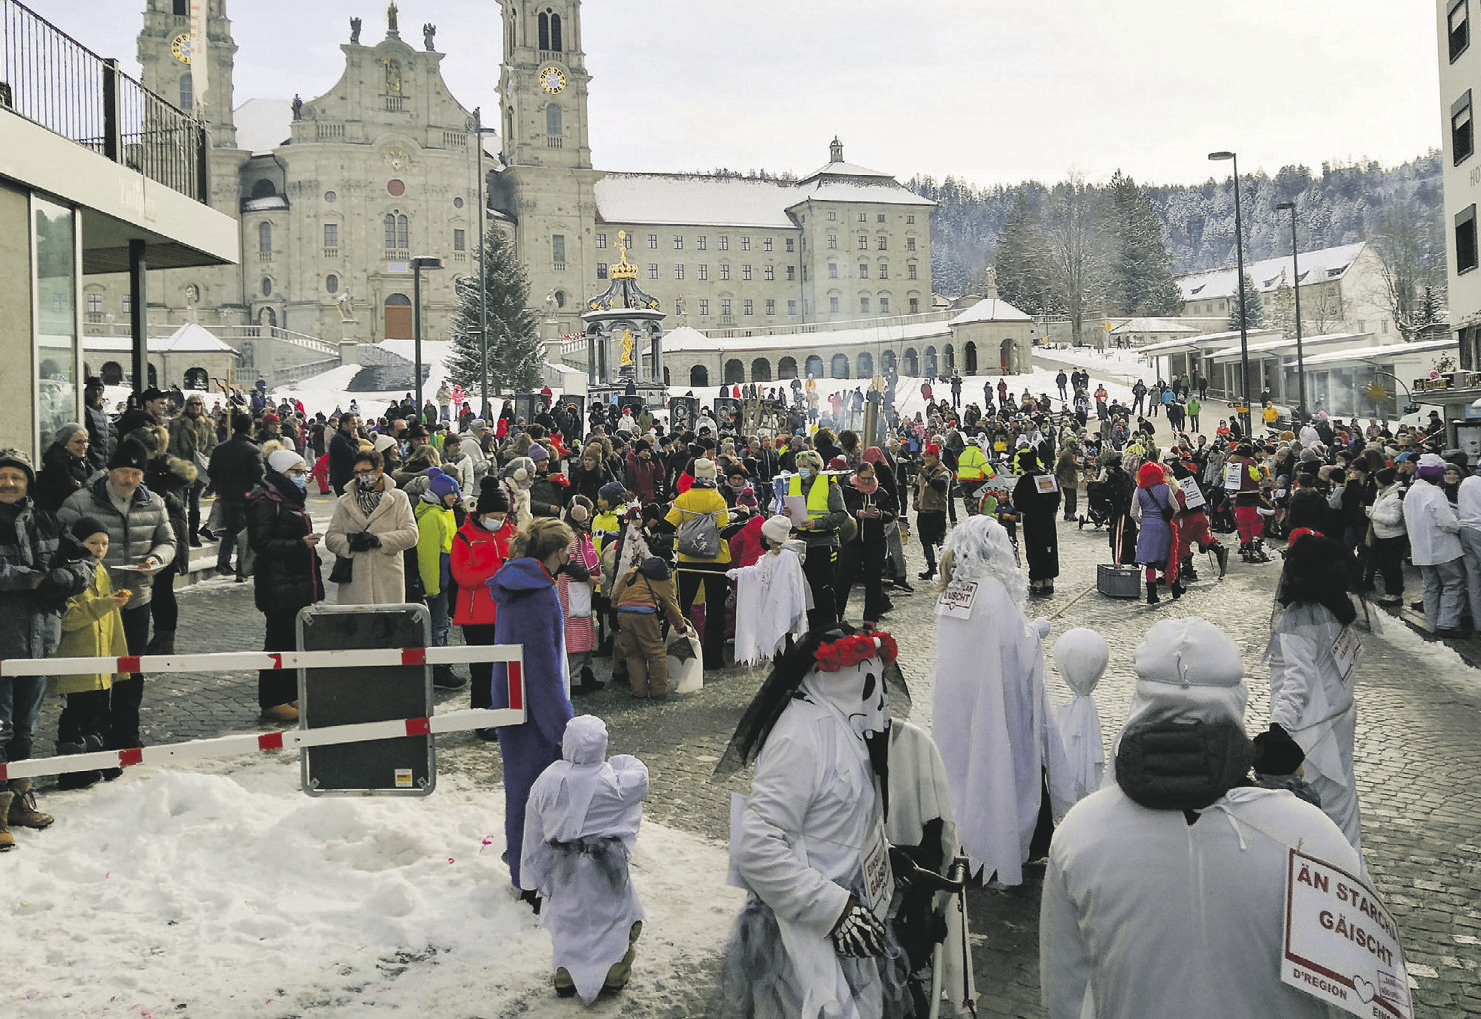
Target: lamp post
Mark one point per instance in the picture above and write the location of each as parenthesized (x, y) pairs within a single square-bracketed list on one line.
[(1296, 284), (475, 125), (417, 265), (1244, 342)]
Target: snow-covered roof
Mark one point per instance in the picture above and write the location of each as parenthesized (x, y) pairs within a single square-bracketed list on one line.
[(265, 204), (1268, 273), (694, 199), (1196, 342), (884, 191), (990, 309), (1151, 325), (1381, 351), (263, 124), (687, 338), (189, 338), (1286, 345), (841, 168)]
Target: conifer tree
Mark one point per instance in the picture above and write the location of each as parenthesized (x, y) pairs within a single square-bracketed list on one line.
[(1139, 279), (516, 355), (1021, 261), (1254, 311)]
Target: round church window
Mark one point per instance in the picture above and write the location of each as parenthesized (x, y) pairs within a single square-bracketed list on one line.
[(396, 188), (330, 196), (457, 203)]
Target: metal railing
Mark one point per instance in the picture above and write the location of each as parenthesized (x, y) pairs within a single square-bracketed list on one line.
[(54, 81)]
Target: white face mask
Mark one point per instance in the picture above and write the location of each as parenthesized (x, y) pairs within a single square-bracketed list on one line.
[(489, 523)]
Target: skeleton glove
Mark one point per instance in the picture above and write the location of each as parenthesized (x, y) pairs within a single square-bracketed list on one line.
[(858, 934)]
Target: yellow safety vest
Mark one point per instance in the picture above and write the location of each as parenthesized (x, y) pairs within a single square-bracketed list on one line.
[(817, 496), (972, 465)]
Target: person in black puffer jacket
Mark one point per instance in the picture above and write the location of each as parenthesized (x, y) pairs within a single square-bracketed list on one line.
[(65, 467), (286, 573), (236, 467)]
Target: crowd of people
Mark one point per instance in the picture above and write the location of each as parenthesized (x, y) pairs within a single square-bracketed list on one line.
[(596, 531)]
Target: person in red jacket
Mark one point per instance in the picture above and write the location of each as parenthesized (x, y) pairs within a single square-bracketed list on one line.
[(480, 547)]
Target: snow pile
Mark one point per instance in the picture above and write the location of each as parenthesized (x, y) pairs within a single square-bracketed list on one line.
[(233, 894)]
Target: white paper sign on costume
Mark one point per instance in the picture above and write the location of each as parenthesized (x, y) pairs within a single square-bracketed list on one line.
[(1192, 497), (1231, 475), (1347, 651), (956, 601), (1341, 945), (1045, 483)]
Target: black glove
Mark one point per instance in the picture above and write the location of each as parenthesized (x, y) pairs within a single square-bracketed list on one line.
[(576, 571), (1276, 753), (362, 541), (858, 934)]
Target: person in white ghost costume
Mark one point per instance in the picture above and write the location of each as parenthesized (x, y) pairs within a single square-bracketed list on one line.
[(1313, 653), (580, 826), (771, 596), (992, 718), (1081, 656), (1176, 909), (813, 941)]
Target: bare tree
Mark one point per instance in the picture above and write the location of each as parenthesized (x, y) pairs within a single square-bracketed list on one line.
[(1076, 247), (1411, 257)]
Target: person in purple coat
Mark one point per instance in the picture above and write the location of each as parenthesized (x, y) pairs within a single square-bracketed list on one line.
[(529, 613)]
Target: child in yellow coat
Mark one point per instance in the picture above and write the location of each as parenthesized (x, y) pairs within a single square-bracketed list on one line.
[(91, 627)]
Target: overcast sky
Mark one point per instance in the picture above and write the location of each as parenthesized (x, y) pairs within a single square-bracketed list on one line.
[(991, 91)]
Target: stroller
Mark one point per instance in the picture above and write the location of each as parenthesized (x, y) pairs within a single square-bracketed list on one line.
[(1098, 507)]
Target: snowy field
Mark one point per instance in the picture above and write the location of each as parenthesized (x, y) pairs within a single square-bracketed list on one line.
[(225, 892)]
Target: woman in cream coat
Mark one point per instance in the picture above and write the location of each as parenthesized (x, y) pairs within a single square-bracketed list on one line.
[(372, 524)]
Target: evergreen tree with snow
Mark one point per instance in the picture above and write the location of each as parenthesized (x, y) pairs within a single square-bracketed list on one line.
[(1021, 261), (1254, 311), (516, 354), (1139, 279)]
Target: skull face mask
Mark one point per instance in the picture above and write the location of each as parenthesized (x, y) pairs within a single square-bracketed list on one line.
[(857, 691)]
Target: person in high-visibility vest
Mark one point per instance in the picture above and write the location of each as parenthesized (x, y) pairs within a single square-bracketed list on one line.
[(972, 469), (825, 514)]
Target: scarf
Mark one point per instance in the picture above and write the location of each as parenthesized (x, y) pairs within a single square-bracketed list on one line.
[(368, 498)]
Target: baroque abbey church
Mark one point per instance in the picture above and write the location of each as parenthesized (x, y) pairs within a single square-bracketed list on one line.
[(336, 194)]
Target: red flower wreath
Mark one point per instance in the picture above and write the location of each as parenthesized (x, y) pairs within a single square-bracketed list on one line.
[(851, 650)]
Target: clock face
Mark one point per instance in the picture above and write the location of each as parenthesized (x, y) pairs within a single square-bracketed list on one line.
[(180, 47), (552, 80)]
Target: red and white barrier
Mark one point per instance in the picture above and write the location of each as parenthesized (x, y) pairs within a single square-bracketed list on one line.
[(244, 743)]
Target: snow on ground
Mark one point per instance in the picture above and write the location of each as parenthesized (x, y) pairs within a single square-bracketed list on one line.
[(227, 892)]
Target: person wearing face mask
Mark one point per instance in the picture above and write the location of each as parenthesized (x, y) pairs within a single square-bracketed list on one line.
[(480, 548), (372, 525), (825, 515), (285, 576), (874, 508)]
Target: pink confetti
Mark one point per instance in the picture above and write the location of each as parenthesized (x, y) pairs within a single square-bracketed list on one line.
[(449, 859)]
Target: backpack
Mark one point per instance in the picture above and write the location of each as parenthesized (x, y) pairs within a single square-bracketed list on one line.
[(698, 535)]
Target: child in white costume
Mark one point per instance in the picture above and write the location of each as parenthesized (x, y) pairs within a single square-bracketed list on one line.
[(1081, 656), (771, 597), (580, 826)]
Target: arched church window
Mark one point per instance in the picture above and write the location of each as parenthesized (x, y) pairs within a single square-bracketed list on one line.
[(181, 8), (553, 125), (265, 238), (397, 232), (187, 91), (264, 188), (544, 30), (555, 32)]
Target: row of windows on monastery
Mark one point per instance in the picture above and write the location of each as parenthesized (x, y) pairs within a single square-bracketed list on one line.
[(726, 306), (702, 241), (679, 270)]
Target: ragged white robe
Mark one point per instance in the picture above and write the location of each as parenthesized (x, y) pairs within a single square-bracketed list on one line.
[(994, 724), (771, 601), (588, 919)]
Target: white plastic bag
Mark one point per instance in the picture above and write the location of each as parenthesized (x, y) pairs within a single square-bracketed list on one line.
[(686, 668)]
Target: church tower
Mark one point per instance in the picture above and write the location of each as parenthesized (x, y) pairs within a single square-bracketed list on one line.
[(167, 51), (543, 82)]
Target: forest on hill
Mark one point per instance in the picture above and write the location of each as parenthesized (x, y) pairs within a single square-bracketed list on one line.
[(1341, 204)]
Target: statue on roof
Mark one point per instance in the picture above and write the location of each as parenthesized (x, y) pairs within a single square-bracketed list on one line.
[(297, 106), (354, 31), (429, 32), (391, 13)]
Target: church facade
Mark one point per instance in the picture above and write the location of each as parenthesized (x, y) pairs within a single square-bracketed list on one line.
[(337, 193)]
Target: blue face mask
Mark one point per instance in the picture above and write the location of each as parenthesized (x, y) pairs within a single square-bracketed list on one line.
[(804, 473), (300, 481)]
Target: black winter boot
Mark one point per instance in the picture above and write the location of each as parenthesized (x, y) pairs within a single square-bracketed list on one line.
[(162, 644), (1187, 570), (1152, 592), (1177, 588), (1222, 554)]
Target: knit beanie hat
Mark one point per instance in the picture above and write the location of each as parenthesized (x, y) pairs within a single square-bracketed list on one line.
[(1431, 467), (284, 460), (382, 442), (539, 453), (84, 528), (654, 568), (747, 498), (777, 528), (132, 454), (612, 492), (703, 469), (440, 484), (18, 459), (491, 496)]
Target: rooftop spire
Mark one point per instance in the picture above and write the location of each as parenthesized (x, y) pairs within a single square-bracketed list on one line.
[(835, 150)]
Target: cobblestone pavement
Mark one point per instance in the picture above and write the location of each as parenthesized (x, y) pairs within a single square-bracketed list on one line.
[(1418, 757)]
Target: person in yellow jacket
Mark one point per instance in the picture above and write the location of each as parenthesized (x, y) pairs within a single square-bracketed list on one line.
[(92, 627), (972, 469), (1270, 414), (703, 497), (436, 526), (826, 513)]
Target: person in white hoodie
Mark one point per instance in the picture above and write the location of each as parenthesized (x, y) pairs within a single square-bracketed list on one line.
[(1164, 893), (1387, 554), (1434, 547), (1468, 514)]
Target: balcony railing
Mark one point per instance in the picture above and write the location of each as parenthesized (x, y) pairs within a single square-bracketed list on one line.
[(54, 81)]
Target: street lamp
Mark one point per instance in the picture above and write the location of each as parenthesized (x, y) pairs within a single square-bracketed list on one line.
[(417, 265), (1296, 283), (475, 125), (1244, 342)]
